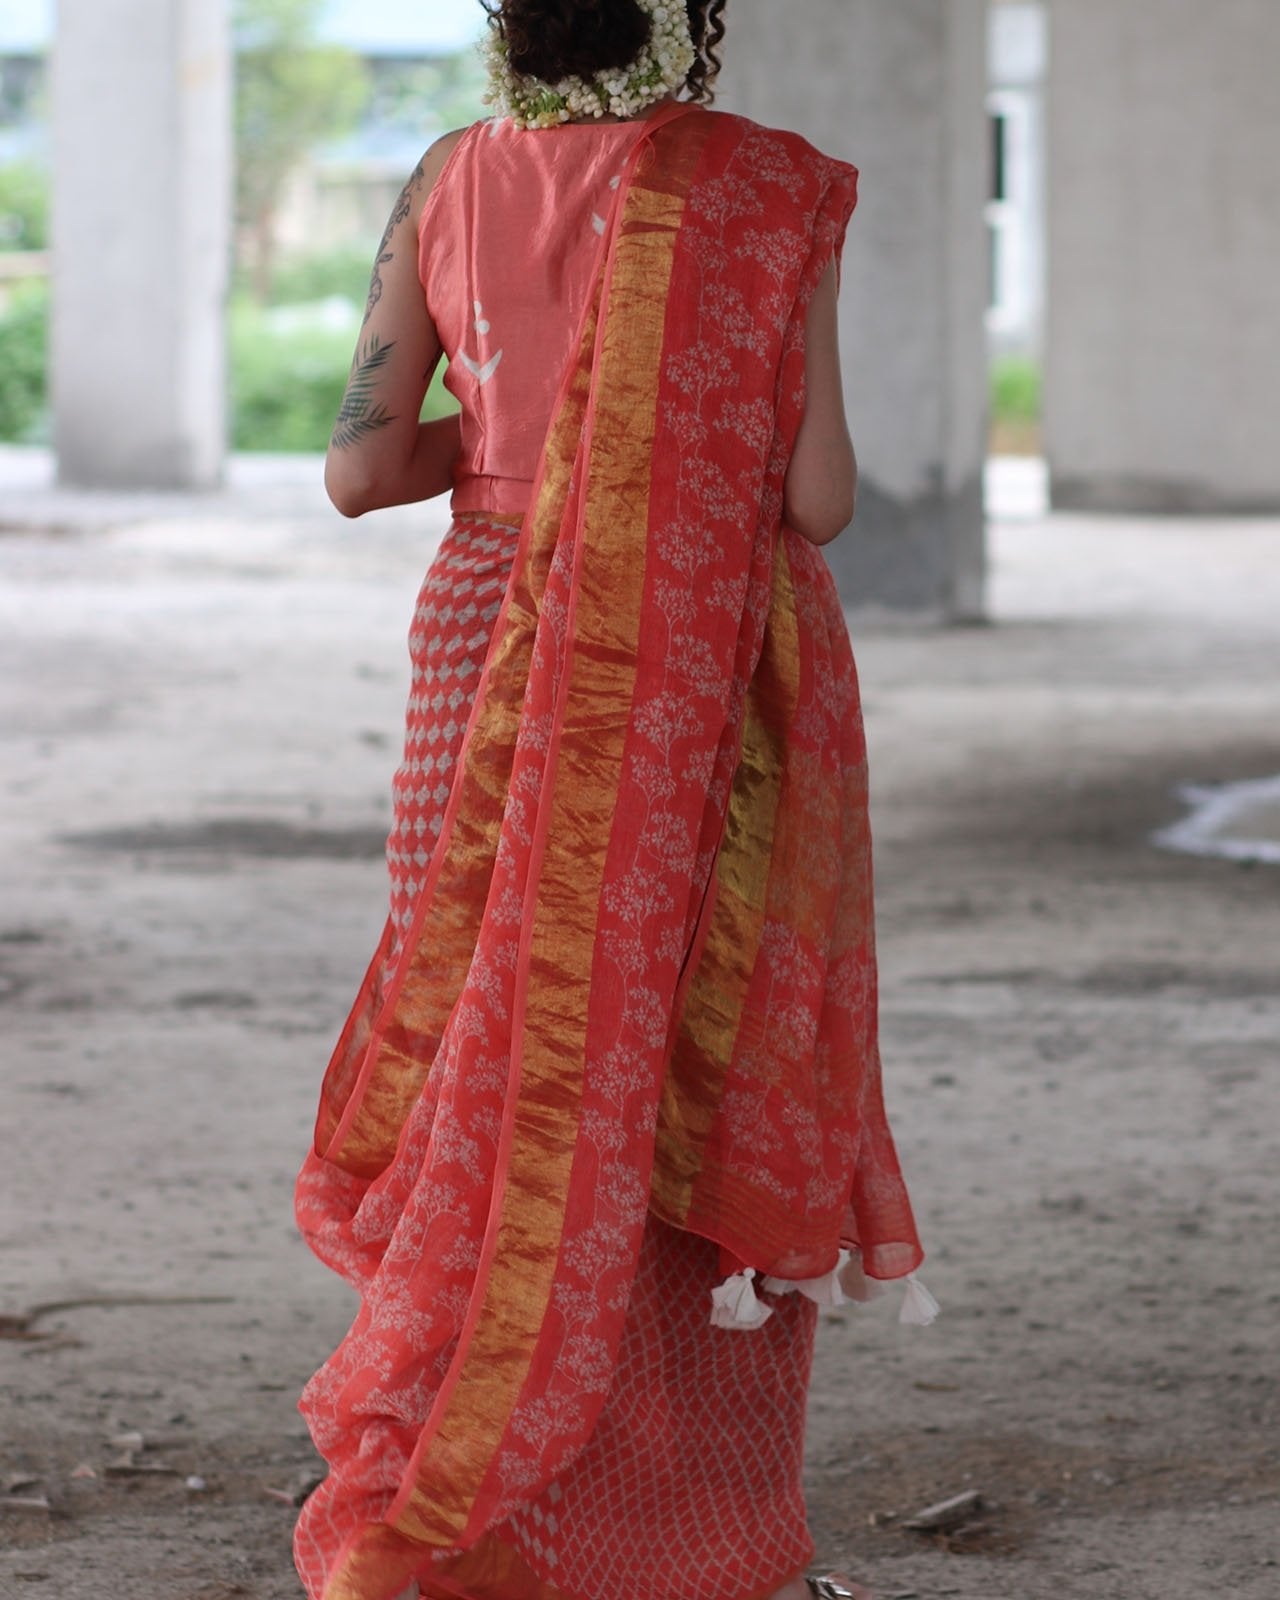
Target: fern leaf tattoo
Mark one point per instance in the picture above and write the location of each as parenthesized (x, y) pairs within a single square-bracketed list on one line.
[(360, 413)]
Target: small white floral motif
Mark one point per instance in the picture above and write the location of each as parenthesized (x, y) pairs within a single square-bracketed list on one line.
[(482, 371), (751, 420), (598, 222)]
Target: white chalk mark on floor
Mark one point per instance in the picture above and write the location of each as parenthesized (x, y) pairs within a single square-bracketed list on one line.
[(1233, 821)]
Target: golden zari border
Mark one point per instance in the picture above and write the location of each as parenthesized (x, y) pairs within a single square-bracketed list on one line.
[(445, 1500)]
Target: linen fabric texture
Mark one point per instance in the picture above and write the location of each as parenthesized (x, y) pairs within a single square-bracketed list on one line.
[(627, 992)]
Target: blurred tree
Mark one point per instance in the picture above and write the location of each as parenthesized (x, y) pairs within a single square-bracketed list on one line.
[(24, 336), (291, 92), (24, 207), (429, 97)]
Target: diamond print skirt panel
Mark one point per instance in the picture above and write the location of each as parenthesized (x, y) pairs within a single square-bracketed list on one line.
[(448, 641), (690, 1486)]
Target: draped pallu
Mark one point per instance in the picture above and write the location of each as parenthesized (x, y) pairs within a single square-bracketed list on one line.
[(640, 971)]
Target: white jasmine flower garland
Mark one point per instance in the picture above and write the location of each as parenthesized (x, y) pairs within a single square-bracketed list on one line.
[(659, 70)]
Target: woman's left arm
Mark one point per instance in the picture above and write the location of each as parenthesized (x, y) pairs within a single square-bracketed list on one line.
[(380, 453)]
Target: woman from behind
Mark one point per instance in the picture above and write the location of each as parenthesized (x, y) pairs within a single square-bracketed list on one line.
[(605, 1127)]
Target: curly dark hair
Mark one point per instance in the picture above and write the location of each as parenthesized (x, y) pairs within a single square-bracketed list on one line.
[(554, 39), (706, 23)]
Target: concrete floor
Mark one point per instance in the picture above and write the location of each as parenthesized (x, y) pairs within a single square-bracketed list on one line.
[(199, 712)]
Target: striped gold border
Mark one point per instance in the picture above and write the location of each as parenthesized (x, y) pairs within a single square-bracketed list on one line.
[(452, 1477), (761, 806), (361, 1135), (451, 1471)]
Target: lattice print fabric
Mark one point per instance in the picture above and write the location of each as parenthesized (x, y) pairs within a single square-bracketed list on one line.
[(690, 1486), (448, 640)]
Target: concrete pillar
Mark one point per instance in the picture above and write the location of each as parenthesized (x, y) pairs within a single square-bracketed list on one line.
[(898, 88), (142, 240), (1163, 370)]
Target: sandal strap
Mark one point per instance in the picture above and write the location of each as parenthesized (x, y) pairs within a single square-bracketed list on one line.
[(828, 1588)]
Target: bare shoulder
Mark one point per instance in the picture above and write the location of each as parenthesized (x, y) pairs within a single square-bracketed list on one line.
[(433, 163)]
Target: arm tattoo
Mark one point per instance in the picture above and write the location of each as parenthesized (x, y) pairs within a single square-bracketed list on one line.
[(401, 209), (359, 415)]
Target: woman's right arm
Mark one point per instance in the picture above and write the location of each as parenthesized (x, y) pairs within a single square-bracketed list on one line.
[(822, 479), (381, 454)]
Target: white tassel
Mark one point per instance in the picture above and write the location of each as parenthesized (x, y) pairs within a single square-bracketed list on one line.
[(855, 1283), (919, 1308), (825, 1291), (734, 1303), (847, 1282)]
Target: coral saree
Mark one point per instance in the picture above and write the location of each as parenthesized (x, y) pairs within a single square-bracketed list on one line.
[(621, 1039)]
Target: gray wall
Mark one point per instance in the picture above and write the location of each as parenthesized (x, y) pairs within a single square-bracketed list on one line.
[(898, 88), (1163, 377)]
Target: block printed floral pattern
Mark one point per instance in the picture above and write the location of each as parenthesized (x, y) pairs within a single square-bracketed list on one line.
[(416, 1239)]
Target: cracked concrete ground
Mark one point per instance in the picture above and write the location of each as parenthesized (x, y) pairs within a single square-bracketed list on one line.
[(199, 714)]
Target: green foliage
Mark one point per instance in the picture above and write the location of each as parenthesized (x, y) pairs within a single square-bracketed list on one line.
[(24, 207), (448, 92), (1016, 384), (302, 280), (24, 335), (288, 380), (290, 93), (288, 375)]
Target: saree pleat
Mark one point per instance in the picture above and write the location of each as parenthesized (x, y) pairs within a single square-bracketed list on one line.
[(630, 983)]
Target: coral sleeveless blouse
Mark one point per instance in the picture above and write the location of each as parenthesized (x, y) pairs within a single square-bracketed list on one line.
[(508, 245)]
